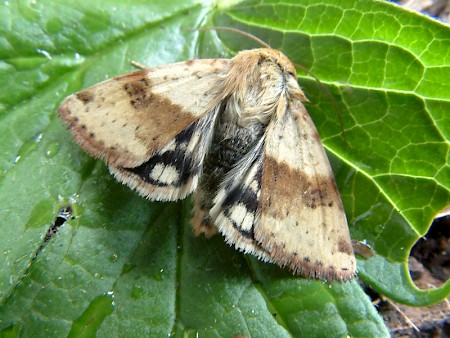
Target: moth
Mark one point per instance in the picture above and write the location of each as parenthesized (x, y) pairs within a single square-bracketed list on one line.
[(234, 132)]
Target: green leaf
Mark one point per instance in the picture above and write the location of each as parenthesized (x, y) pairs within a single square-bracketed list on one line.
[(125, 266)]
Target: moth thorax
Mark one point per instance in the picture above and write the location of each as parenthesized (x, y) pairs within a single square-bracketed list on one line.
[(259, 95)]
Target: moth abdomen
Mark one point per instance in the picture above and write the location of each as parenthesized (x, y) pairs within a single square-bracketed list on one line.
[(230, 143)]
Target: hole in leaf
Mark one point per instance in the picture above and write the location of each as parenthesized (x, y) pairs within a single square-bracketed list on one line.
[(429, 262), (429, 266)]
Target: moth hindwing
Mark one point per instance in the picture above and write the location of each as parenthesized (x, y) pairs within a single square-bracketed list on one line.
[(236, 132)]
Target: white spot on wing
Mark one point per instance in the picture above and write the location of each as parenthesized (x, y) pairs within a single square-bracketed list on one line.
[(242, 217), (165, 174)]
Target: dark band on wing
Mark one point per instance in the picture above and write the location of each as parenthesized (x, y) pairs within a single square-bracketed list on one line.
[(247, 197), (178, 159)]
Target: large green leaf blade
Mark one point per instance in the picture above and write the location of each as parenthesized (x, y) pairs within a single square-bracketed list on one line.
[(392, 162), (126, 266)]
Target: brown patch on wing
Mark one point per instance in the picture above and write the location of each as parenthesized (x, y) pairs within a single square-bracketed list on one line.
[(290, 186), (345, 247), (159, 117), (86, 96)]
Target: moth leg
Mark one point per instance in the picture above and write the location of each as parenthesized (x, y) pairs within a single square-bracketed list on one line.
[(201, 222)]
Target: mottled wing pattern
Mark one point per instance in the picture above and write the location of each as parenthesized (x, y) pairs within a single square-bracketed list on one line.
[(302, 223), (173, 171), (127, 119)]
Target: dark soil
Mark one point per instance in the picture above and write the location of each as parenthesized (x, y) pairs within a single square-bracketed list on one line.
[(429, 266)]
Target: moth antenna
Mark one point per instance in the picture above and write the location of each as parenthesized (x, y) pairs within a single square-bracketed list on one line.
[(234, 30), (327, 91), (138, 65)]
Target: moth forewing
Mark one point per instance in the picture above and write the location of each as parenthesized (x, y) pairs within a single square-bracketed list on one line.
[(237, 131), (303, 224), (125, 120)]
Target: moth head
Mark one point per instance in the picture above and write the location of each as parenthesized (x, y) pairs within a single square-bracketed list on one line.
[(281, 60), (249, 60), (287, 70)]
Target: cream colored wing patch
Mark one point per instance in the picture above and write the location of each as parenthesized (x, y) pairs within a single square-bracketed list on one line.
[(302, 223), (127, 119)]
